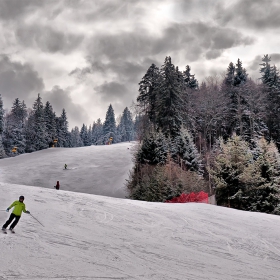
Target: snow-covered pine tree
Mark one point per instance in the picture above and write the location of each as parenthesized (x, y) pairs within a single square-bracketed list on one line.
[(271, 86), (76, 140), (89, 136), (14, 129), (234, 87), (189, 79), (62, 130), (84, 135), (40, 140), (97, 132), (126, 126), (240, 76), (2, 150), (169, 101), (229, 165), (109, 126), (154, 149), (261, 178), (185, 149), (265, 71), (50, 123), (148, 92)]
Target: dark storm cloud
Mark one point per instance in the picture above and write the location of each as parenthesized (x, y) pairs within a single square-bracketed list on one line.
[(18, 80), (255, 14), (193, 38), (112, 91), (13, 9), (213, 54), (48, 39), (127, 72), (59, 99)]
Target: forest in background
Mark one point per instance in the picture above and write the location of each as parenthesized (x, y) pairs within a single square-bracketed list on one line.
[(221, 136)]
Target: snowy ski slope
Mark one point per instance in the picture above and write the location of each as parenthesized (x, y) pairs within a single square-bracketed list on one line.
[(87, 236), (98, 170)]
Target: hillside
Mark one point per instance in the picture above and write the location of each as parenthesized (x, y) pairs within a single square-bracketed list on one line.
[(96, 237), (100, 170), (89, 236)]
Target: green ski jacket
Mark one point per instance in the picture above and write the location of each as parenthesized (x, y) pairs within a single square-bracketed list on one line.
[(18, 207)]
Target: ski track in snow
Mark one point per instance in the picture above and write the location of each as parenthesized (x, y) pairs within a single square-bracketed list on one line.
[(98, 237)]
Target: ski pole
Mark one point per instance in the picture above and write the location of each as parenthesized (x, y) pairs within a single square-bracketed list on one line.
[(36, 220)]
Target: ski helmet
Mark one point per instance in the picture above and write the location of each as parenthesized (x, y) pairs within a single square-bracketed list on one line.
[(21, 197)]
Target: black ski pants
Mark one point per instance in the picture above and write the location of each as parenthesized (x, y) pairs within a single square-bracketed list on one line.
[(12, 216)]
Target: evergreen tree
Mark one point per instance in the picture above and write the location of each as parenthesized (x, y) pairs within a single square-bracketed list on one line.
[(262, 180), (187, 152), (50, 123), (14, 129), (240, 76), (189, 80), (84, 135), (40, 141), (126, 126), (109, 127), (271, 87), (229, 79), (76, 140), (229, 165), (30, 133), (2, 150), (169, 101), (97, 132), (64, 128), (89, 136), (148, 92), (154, 149)]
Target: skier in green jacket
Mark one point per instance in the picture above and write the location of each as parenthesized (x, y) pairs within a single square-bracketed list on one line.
[(19, 207)]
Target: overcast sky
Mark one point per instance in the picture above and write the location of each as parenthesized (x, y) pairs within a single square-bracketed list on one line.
[(82, 55)]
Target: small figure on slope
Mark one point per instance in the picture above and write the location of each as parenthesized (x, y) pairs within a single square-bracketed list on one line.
[(57, 185), (19, 207), (65, 166)]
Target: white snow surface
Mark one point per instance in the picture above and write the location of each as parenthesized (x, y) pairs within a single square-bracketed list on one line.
[(98, 170), (88, 236)]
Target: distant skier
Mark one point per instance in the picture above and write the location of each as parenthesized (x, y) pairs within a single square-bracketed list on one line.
[(65, 166), (19, 207), (57, 185)]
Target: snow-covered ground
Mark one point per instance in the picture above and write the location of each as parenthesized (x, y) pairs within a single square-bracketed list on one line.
[(96, 237), (98, 170), (87, 236)]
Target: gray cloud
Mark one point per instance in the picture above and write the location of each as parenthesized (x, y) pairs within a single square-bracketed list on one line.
[(213, 54), (18, 80), (48, 39), (255, 64), (59, 99), (112, 92), (255, 14), (193, 38), (120, 39), (13, 9)]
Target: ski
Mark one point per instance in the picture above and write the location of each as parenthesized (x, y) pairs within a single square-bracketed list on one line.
[(4, 231)]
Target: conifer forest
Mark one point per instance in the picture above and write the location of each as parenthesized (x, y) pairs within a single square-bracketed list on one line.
[(220, 135)]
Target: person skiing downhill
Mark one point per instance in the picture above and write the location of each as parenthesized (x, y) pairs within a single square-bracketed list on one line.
[(19, 207)]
